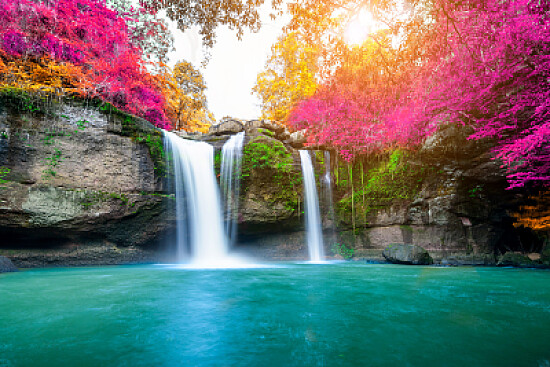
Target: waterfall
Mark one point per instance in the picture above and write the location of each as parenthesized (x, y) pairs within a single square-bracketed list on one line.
[(313, 217), (230, 179), (198, 205)]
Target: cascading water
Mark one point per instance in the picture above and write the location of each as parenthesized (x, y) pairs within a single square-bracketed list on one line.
[(230, 178), (313, 217), (197, 201)]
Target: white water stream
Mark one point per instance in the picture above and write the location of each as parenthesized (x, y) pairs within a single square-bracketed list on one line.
[(313, 217), (198, 206), (230, 180)]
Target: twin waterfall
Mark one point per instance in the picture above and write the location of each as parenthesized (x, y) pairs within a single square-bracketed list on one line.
[(197, 201), (200, 229)]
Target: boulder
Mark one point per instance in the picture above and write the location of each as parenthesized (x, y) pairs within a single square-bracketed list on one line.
[(252, 125), (534, 256), (296, 139), (225, 127), (273, 126), (401, 253), (283, 135), (6, 265), (515, 259)]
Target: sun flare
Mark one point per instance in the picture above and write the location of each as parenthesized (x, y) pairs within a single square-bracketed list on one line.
[(358, 28)]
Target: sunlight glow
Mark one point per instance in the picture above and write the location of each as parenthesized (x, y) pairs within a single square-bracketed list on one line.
[(359, 27)]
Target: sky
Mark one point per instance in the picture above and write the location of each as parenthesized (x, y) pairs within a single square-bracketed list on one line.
[(231, 72)]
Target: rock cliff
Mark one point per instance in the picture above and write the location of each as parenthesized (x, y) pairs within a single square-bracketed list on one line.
[(82, 183), (74, 177)]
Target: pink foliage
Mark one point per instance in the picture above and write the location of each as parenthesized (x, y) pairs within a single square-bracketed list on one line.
[(88, 34), (485, 63), (497, 80)]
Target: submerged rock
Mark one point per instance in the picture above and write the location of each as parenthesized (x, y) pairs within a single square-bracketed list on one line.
[(400, 253), (515, 259), (6, 266)]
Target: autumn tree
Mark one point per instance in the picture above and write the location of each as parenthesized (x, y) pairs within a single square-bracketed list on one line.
[(208, 15), (184, 88), (101, 49), (289, 78)]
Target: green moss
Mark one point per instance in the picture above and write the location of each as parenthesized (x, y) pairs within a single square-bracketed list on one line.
[(92, 198), (21, 100), (406, 228), (218, 162), (263, 153), (270, 158), (392, 179), (342, 250), (4, 171), (266, 132)]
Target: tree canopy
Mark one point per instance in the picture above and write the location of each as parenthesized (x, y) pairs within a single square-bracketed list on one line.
[(115, 51), (481, 63), (290, 76), (208, 14)]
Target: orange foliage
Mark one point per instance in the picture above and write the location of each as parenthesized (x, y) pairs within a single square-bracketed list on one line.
[(537, 215), (43, 76), (185, 103)]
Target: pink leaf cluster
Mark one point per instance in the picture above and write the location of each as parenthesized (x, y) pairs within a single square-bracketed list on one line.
[(88, 34)]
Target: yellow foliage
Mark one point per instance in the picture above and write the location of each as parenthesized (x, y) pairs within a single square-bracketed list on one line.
[(183, 88), (289, 78)]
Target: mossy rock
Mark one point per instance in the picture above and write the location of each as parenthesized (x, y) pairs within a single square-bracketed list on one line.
[(408, 254), (515, 259)]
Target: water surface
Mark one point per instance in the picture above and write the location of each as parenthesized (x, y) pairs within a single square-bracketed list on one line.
[(289, 315)]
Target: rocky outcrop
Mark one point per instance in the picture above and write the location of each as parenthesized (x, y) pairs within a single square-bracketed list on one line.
[(296, 139), (90, 253), (6, 266), (271, 195), (400, 253), (226, 126), (450, 198), (77, 174)]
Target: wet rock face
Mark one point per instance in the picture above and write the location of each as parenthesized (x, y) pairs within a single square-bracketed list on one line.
[(76, 175), (6, 266), (458, 211), (400, 253)]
